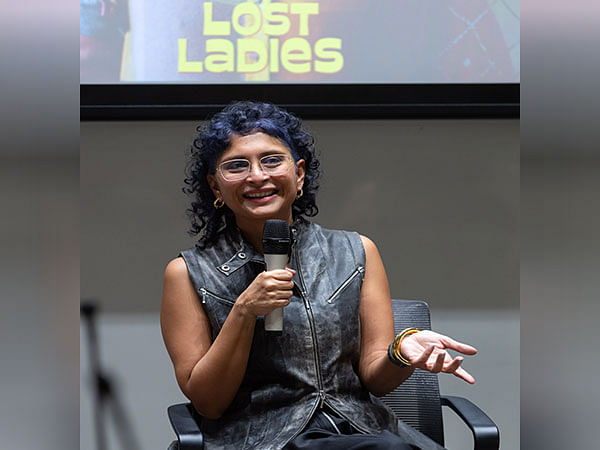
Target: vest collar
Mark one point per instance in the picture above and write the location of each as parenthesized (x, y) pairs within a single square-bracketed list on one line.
[(237, 252)]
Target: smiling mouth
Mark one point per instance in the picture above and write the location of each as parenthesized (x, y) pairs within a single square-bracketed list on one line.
[(261, 194)]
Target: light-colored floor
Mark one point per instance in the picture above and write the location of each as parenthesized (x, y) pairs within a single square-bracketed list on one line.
[(132, 352)]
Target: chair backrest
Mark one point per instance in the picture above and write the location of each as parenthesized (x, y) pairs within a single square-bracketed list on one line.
[(417, 401)]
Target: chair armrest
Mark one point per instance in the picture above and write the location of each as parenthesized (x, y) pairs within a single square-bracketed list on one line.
[(186, 424), (485, 432)]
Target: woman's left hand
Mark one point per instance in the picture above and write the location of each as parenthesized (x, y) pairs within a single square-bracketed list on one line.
[(427, 350)]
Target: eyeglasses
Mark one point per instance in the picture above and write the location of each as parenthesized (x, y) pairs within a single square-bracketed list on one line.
[(238, 169)]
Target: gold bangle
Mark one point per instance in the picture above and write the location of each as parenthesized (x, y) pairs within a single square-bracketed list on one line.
[(397, 343)]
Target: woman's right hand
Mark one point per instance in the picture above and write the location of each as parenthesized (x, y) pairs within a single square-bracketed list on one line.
[(269, 290)]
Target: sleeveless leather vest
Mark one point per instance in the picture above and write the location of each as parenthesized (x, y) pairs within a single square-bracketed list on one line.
[(313, 361)]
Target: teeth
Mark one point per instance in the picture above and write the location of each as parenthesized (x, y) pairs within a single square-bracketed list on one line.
[(260, 194)]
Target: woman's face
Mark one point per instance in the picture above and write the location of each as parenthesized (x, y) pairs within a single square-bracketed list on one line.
[(259, 196)]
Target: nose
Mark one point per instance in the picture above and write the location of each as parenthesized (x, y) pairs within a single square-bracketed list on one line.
[(256, 173)]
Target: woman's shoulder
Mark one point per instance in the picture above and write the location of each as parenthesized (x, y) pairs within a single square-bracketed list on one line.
[(212, 256), (176, 268), (355, 235), (339, 240), (188, 264), (195, 256)]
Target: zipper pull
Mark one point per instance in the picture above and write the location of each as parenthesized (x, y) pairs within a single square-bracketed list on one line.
[(203, 295), (322, 397), (361, 271)]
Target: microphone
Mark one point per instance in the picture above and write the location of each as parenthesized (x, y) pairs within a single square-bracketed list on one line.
[(276, 247)]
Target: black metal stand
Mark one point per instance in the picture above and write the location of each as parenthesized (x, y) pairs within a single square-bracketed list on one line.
[(104, 391)]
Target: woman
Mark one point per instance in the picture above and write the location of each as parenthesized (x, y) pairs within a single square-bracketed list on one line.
[(309, 386)]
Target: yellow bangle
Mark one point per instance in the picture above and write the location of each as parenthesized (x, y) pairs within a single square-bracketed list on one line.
[(395, 346)]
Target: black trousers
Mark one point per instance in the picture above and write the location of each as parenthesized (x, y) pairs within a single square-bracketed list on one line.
[(327, 431)]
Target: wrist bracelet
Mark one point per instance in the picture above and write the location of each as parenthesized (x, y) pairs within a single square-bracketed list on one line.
[(394, 354), (393, 359)]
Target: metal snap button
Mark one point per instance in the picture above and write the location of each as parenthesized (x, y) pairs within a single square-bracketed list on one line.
[(225, 267), (242, 255)]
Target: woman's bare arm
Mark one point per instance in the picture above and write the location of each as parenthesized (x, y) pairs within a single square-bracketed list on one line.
[(210, 374), (424, 350), (377, 373)]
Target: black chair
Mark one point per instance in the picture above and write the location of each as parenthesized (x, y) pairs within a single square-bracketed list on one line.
[(417, 401)]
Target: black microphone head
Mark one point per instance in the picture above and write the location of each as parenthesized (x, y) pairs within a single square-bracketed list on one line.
[(276, 237)]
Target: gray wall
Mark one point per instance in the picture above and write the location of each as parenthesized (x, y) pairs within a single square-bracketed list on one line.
[(560, 216), (39, 290), (560, 265), (439, 197)]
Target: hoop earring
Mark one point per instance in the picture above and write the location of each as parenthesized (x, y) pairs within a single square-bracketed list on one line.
[(299, 194), (218, 203)]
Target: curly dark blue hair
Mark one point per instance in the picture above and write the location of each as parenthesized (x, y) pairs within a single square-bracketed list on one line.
[(214, 137)]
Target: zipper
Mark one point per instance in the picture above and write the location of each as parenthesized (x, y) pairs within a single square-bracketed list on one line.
[(311, 323), (359, 270), (205, 292), (321, 400), (302, 291)]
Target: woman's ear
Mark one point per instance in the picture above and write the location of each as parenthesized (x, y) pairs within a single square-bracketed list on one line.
[(300, 171), (214, 187)]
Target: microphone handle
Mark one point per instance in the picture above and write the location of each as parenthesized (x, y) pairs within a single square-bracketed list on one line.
[(274, 320)]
